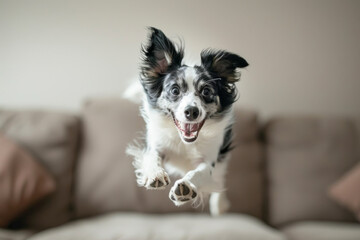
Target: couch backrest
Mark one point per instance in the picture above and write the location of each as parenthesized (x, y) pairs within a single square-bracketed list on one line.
[(305, 156), (52, 139), (105, 175)]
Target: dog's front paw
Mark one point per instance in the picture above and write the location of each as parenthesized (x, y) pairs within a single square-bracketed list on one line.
[(155, 180), (182, 192)]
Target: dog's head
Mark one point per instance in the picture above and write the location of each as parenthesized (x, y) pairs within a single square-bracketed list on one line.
[(188, 94)]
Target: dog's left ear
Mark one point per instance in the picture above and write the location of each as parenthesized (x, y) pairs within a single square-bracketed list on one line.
[(223, 64)]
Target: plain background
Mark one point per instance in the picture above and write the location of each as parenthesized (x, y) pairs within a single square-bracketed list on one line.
[(304, 55)]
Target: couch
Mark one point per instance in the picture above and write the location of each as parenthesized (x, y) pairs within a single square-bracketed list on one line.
[(278, 180)]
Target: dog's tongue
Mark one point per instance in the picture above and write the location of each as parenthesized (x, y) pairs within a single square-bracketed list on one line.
[(189, 128)]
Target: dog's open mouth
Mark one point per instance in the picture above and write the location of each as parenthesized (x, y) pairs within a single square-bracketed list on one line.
[(188, 131)]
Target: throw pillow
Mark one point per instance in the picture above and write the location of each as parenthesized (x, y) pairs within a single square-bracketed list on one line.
[(346, 191), (23, 181)]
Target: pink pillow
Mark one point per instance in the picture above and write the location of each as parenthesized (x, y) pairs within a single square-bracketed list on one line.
[(23, 181), (346, 191)]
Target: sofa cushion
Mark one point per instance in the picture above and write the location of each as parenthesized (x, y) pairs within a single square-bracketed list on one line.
[(119, 226), (50, 138), (15, 234), (305, 156), (322, 231), (246, 173), (106, 179), (23, 181)]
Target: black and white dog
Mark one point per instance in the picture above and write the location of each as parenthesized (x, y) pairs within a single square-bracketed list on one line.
[(189, 117)]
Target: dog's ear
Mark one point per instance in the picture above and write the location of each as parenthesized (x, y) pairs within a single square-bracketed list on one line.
[(226, 66), (223, 64), (160, 55)]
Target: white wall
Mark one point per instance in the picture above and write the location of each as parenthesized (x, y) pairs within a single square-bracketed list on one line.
[(304, 55)]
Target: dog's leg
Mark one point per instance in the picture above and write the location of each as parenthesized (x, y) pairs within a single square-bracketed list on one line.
[(218, 202), (149, 171), (153, 174), (197, 183), (185, 189)]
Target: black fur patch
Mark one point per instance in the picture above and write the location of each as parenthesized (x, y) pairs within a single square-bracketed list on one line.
[(227, 93), (227, 143), (223, 65), (155, 65), (175, 79)]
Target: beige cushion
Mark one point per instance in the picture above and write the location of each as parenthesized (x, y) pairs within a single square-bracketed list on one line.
[(246, 174), (126, 226), (305, 156), (346, 191), (106, 179), (322, 231), (23, 181), (15, 234), (50, 138)]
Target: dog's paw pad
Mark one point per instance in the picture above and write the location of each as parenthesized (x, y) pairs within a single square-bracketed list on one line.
[(159, 182), (156, 183), (182, 191), (194, 195)]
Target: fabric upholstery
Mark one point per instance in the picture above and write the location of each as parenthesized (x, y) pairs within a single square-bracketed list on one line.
[(130, 226), (52, 139), (15, 234), (322, 231), (106, 179), (23, 181), (346, 191), (245, 180), (304, 157)]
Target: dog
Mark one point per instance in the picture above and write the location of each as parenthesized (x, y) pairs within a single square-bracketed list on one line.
[(189, 116)]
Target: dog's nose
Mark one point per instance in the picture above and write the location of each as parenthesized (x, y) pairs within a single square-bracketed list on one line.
[(191, 113)]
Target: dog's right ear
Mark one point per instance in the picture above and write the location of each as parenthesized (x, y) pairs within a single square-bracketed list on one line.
[(160, 55)]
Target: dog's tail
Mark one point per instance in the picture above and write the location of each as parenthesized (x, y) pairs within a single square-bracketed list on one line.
[(134, 92)]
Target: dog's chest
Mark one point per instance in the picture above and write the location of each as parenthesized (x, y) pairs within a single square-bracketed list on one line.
[(183, 158), (163, 135), (171, 148)]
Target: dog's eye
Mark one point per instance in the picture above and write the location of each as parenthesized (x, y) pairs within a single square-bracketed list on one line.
[(175, 90), (206, 92)]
